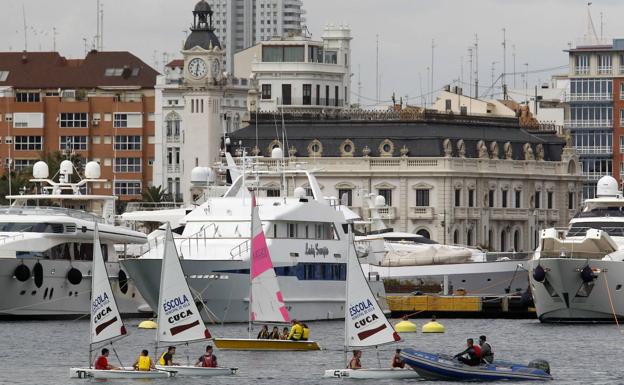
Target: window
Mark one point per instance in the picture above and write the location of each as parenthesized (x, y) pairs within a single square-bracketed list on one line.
[(331, 57), (173, 125), (266, 91), (457, 197), (604, 64), (581, 64), (318, 94), (504, 198), (274, 54), (27, 97), (28, 120), (491, 198), (538, 199), (28, 143), (570, 201), (422, 197), (327, 95), (286, 94), (518, 199), (73, 119), (127, 164), (128, 143), (127, 120), (23, 164), (292, 230), (128, 187), (387, 194), (549, 198), (273, 192), (73, 143), (307, 94), (4, 75), (348, 193), (471, 195), (336, 91)]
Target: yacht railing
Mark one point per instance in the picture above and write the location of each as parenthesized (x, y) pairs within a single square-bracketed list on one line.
[(7, 238), (61, 211), (152, 206), (240, 250)]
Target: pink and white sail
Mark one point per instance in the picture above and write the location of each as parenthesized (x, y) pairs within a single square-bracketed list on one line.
[(106, 323), (179, 319), (267, 302)]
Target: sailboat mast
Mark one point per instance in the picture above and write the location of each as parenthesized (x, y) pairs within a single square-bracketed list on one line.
[(346, 307), (253, 199)]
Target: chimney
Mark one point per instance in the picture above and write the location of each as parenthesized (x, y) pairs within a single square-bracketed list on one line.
[(24, 57)]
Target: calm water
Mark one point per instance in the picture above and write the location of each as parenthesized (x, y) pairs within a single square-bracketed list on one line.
[(42, 352)]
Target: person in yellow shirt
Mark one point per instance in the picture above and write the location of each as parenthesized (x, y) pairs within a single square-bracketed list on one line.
[(296, 331), (144, 362), (306, 332)]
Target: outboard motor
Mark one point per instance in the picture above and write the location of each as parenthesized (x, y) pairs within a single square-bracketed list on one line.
[(540, 364), (587, 274), (539, 274)]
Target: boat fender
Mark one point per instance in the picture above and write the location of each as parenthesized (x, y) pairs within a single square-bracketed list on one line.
[(123, 281), (38, 274), (74, 276), (22, 273), (539, 274), (587, 275)]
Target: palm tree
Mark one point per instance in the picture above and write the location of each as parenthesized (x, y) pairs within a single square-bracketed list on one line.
[(154, 194)]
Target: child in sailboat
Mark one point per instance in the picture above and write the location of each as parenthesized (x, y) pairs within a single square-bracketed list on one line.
[(285, 334), (355, 362), (207, 360), (296, 331), (102, 362), (144, 363), (275, 334), (264, 333), (167, 357), (397, 361), (306, 332)]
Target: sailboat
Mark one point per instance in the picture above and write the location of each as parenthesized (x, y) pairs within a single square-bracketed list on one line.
[(365, 326), (179, 320), (266, 303), (106, 324)]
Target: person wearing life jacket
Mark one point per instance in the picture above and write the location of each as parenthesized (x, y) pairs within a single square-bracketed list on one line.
[(102, 362), (207, 360), (306, 332), (166, 359), (471, 355), (487, 355), (355, 362), (296, 331), (144, 362), (275, 334), (264, 333), (397, 361)]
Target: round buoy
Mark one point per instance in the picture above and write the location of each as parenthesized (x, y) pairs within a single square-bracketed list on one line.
[(74, 276), (539, 274), (148, 324), (587, 274), (406, 326), (433, 327), (22, 273), (123, 281), (38, 274)]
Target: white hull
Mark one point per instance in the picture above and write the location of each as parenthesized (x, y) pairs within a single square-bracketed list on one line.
[(57, 297), (561, 297), (195, 371), (372, 373), (117, 374)]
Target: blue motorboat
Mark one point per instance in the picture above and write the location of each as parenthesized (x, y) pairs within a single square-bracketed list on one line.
[(441, 367)]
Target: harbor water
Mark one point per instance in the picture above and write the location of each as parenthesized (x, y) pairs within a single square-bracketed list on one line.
[(35, 352)]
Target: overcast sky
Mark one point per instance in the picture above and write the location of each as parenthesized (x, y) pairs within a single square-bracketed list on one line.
[(539, 29)]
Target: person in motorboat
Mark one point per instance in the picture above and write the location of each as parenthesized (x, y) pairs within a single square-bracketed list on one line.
[(296, 331), (101, 363), (275, 334), (207, 360), (166, 359), (397, 361), (306, 332), (487, 355), (285, 334), (144, 363), (264, 333), (471, 355), (355, 362)]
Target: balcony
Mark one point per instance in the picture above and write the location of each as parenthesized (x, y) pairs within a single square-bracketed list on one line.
[(421, 212), (510, 214), (589, 97), (594, 123), (173, 168), (173, 138), (553, 215), (460, 213), (387, 213), (605, 70), (581, 70), (595, 150)]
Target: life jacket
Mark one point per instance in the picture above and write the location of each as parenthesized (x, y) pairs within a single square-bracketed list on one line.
[(477, 350), (306, 333), (397, 362), (296, 332), (145, 363), (208, 361), (162, 359)]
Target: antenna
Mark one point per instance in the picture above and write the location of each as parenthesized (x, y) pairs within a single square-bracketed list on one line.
[(25, 28), (591, 35), (470, 60), (54, 33), (513, 54), (359, 86), (492, 88), (432, 55), (601, 27), (476, 52), (97, 18), (503, 83), (377, 72), (101, 12)]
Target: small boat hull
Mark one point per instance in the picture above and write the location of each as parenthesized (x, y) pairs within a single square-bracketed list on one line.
[(195, 371), (124, 373), (436, 367), (255, 344), (372, 373)]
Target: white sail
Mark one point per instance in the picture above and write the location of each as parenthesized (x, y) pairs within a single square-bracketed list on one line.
[(179, 319), (106, 322), (267, 302), (365, 322)]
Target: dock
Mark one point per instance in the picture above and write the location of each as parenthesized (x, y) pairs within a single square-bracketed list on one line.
[(465, 306)]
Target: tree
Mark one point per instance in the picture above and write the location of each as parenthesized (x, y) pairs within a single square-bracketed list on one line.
[(154, 194)]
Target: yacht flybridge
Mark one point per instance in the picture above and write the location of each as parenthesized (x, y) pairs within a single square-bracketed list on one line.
[(577, 273), (46, 246)]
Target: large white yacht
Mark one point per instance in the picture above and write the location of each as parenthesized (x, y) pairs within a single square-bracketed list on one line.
[(577, 274), (46, 247), (306, 235)]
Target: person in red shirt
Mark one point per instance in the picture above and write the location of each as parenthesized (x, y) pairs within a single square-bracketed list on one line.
[(397, 362), (102, 362), (207, 360)]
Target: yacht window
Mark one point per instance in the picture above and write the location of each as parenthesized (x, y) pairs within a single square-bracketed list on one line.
[(29, 227), (292, 230), (612, 228), (71, 250)]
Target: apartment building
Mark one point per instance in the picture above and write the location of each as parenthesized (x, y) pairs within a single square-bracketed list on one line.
[(100, 107)]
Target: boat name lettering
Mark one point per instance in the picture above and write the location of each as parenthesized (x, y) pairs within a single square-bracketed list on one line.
[(99, 301), (177, 317), (175, 303), (363, 307), (314, 250), (100, 315), (368, 319)]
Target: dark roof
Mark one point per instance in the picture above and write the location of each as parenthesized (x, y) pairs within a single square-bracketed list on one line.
[(202, 38), (175, 63), (202, 6), (51, 70), (422, 138)]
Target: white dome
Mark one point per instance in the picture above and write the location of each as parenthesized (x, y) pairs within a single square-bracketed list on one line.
[(607, 187), (277, 153), (92, 170), (199, 175), (41, 170), (300, 192), (67, 167), (380, 201)]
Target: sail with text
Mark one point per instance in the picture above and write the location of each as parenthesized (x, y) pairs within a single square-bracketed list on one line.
[(267, 302), (365, 321), (178, 317), (106, 323)]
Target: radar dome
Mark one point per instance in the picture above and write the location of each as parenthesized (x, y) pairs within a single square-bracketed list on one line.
[(67, 167), (200, 176), (380, 201), (92, 170), (300, 192), (607, 187), (277, 153), (41, 170)]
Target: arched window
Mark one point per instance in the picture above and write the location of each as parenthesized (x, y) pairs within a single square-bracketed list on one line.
[(456, 237), (516, 240), (424, 233), (503, 241), (469, 240), (172, 123)]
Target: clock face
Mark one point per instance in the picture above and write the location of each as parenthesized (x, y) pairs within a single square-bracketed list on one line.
[(215, 68), (197, 68)]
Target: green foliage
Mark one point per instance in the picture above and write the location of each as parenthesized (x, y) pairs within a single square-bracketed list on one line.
[(154, 194)]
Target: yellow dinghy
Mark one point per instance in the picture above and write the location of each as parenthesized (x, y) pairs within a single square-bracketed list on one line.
[(255, 344)]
